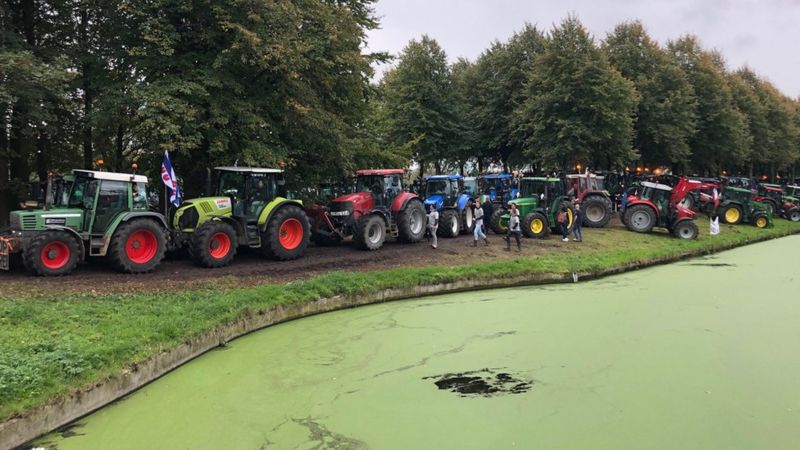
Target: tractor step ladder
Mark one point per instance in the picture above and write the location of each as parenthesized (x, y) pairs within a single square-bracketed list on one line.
[(393, 231), (95, 245), (253, 236)]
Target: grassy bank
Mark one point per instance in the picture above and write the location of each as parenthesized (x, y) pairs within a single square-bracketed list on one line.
[(51, 345)]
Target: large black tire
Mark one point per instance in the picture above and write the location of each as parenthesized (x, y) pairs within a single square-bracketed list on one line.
[(52, 253), (597, 210), (685, 229), (793, 215), (640, 218), (732, 214), (287, 233), (370, 233), (775, 209), (534, 225), (449, 224), (411, 222), (467, 220), (495, 222), (137, 246), (213, 244)]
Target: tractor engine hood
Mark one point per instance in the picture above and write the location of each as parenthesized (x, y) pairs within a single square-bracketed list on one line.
[(525, 201), (361, 201), (437, 201)]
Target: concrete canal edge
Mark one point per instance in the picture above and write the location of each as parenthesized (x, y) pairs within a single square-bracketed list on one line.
[(79, 403)]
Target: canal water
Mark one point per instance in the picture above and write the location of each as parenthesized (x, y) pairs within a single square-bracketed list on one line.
[(701, 354)]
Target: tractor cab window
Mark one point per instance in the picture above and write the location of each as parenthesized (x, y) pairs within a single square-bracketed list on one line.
[(436, 187), (471, 187), (533, 188), (231, 184), (139, 195), (393, 186), (260, 190), (80, 192), (113, 199)]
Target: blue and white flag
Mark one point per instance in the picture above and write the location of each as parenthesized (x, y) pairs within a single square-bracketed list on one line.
[(170, 180)]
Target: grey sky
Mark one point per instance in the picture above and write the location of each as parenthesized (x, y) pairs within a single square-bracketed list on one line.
[(765, 34)]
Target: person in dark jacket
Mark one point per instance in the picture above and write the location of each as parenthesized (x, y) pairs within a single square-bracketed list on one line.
[(514, 228), (563, 224), (577, 225)]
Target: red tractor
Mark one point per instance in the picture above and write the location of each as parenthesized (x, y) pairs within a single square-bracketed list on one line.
[(660, 205), (379, 207), (595, 202)]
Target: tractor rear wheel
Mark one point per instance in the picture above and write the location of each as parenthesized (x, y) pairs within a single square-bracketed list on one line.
[(214, 244), (449, 225), (138, 246), (410, 223), (596, 211), (771, 202), (761, 220), (640, 218), (732, 214), (52, 253), (685, 229), (467, 219), (793, 214), (570, 216), (370, 233), (495, 222), (534, 225), (286, 234)]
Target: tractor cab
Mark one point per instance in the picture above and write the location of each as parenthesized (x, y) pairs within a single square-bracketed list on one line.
[(659, 205), (793, 191), (498, 187), (249, 190), (443, 190), (657, 194), (384, 185), (540, 188), (471, 186)]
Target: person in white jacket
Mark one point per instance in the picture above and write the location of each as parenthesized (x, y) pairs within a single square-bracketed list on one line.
[(478, 233), (514, 228), (433, 225)]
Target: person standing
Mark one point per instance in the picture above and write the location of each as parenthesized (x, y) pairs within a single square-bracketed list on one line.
[(514, 228), (561, 220), (433, 225), (478, 233), (577, 226)]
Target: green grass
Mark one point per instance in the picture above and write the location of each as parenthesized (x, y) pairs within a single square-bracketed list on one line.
[(52, 345)]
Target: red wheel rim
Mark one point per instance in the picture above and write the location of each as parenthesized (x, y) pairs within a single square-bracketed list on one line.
[(290, 234), (219, 245), (55, 255), (141, 246)]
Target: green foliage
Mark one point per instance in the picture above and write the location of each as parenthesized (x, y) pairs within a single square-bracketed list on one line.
[(665, 115), (578, 108)]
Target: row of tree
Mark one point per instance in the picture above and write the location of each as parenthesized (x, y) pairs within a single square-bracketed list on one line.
[(265, 82), (560, 99)]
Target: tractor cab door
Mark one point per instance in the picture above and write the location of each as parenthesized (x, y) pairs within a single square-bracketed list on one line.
[(260, 188), (113, 199), (83, 195), (393, 185)]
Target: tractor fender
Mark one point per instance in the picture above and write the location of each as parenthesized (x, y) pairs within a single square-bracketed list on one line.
[(401, 201), (74, 234), (644, 202), (378, 212), (273, 207), (463, 201)]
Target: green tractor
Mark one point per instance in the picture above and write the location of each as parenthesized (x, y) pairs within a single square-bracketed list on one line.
[(539, 202), (88, 214), (250, 209), (737, 206)]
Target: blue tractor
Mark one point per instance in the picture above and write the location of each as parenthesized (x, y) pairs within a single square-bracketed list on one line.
[(447, 194), (496, 190)]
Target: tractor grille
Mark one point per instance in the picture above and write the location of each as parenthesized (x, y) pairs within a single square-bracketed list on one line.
[(189, 218), (29, 222), (206, 207), (341, 213), (14, 221)]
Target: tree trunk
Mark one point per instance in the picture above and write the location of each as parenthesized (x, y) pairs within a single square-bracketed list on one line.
[(88, 95), (438, 167), (5, 192), (21, 146), (120, 146)]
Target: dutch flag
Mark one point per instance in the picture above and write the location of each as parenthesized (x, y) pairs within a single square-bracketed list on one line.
[(170, 180)]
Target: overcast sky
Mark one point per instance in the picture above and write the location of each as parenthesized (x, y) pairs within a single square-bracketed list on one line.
[(764, 35)]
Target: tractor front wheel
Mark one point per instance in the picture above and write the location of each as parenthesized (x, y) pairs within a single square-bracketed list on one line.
[(596, 211), (138, 246), (640, 218), (467, 219), (449, 225), (685, 229), (370, 233), (52, 253), (793, 214), (534, 225), (495, 222), (410, 223), (286, 234), (214, 244), (761, 221), (732, 214)]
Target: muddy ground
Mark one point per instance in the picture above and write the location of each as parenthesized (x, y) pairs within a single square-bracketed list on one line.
[(249, 268)]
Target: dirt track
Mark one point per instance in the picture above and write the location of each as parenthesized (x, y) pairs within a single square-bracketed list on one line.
[(177, 272)]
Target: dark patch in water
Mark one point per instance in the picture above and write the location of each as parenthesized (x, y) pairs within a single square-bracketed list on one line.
[(71, 430), (712, 264), (323, 438), (484, 383)]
